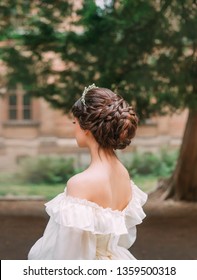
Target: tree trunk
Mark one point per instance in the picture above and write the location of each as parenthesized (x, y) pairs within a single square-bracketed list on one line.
[(183, 183)]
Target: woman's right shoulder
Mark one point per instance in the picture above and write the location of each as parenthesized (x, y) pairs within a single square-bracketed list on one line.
[(79, 186), (74, 179)]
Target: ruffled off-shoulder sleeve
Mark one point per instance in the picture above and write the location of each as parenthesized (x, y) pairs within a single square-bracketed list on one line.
[(67, 235), (134, 215), (74, 225), (88, 216)]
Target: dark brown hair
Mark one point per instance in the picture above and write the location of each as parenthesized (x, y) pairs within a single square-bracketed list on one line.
[(111, 120)]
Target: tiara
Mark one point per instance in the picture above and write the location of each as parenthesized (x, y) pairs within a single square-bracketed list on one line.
[(85, 91)]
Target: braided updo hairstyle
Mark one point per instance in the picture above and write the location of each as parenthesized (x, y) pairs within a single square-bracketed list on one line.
[(108, 116)]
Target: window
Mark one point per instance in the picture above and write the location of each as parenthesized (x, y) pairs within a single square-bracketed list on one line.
[(12, 107), (19, 106), (26, 107)]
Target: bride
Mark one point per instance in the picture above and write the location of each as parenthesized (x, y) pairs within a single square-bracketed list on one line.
[(96, 215)]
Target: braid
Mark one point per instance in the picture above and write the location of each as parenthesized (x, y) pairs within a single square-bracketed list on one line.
[(108, 116)]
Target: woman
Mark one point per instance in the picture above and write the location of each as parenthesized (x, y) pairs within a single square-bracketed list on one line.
[(96, 216)]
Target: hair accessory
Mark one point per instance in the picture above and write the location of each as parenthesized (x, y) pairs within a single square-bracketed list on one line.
[(85, 91)]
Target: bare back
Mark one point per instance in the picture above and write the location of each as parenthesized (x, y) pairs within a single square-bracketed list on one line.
[(105, 183)]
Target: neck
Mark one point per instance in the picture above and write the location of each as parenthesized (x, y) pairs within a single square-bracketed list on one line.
[(99, 155)]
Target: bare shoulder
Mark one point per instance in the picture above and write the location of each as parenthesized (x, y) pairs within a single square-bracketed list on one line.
[(80, 185)]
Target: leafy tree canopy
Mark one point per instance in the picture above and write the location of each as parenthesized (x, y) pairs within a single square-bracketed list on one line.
[(144, 50)]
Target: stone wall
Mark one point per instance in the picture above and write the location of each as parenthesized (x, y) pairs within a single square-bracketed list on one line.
[(51, 133)]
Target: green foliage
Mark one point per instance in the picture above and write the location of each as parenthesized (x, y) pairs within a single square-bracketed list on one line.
[(150, 164), (145, 50), (10, 187), (48, 170), (55, 169)]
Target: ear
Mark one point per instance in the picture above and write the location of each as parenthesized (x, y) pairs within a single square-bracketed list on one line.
[(87, 132)]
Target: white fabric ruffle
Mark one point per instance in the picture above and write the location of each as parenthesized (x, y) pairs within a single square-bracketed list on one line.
[(83, 214), (79, 229), (134, 213)]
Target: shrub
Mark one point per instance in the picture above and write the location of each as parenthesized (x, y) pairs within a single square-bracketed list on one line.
[(161, 164), (46, 170)]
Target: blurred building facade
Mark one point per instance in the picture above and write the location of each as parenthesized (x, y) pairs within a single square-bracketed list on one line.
[(31, 127)]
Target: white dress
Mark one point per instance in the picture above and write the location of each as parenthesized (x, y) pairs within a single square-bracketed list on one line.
[(80, 229)]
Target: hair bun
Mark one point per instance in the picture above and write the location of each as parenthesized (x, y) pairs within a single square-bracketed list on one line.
[(108, 116)]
